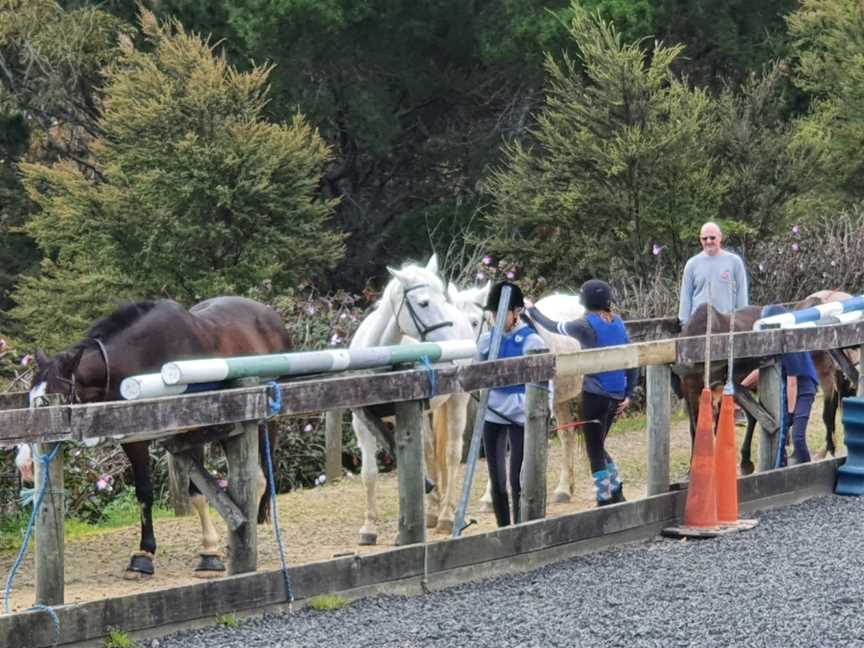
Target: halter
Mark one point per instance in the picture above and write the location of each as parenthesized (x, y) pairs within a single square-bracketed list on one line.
[(422, 329), (72, 395)]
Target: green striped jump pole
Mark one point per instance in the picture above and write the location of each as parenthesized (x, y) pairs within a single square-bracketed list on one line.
[(186, 372)]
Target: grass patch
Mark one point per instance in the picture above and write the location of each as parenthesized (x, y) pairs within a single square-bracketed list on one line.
[(118, 639), (228, 620), (121, 512), (327, 602)]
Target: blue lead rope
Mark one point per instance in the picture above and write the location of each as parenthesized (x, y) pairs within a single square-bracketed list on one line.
[(274, 401), (431, 374), (37, 504)]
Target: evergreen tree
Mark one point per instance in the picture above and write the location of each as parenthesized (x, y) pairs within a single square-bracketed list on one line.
[(194, 193)]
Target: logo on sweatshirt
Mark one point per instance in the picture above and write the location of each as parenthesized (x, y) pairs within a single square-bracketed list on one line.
[(726, 275)]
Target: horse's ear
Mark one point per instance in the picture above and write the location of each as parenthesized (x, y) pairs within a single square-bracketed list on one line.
[(452, 291), (74, 361), (41, 358), (398, 274), (432, 266), (484, 292)]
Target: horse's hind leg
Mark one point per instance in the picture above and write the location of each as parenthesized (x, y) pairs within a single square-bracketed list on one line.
[(211, 564), (564, 489), (141, 563), (431, 441), (369, 475), (451, 453), (829, 417)]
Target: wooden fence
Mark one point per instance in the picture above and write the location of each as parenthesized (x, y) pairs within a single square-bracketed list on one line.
[(246, 405)]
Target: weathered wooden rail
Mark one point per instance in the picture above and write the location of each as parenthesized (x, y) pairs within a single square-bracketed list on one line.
[(246, 405)]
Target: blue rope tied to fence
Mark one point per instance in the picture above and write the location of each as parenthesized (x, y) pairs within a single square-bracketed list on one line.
[(28, 534), (275, 403), (431, 374)]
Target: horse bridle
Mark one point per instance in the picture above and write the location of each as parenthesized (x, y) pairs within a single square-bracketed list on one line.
[(72, 395), (422, 329)]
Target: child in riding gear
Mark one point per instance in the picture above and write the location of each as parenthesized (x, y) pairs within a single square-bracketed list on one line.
[(505, 414), (801, 379), (605, 394)]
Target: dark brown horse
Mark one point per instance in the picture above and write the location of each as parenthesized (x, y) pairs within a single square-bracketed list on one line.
[(688, 381), (139, 338)]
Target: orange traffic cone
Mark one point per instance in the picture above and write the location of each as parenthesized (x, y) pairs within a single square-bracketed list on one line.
[(725, 471), (700, 510)]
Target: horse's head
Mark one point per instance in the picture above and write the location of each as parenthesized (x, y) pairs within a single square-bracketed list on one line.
[(471, 302), (416, 295)]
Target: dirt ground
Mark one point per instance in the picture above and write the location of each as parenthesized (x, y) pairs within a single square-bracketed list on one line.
[(320, 523)]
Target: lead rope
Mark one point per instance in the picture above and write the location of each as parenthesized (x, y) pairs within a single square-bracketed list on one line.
[(274, 403)]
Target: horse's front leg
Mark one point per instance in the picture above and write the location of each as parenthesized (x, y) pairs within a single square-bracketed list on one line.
[(430, 445), (451, 451), (369, 475), (141, 562), (564, 489), (829, 417)]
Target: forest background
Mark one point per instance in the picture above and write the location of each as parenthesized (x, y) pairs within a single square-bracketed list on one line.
[(290, 150)]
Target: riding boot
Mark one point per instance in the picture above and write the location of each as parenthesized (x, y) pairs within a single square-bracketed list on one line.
[(517, 507), (502, 507), (602, 487), (616, 485)]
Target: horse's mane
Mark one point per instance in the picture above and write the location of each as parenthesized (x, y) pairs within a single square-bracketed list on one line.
[(121, 319)]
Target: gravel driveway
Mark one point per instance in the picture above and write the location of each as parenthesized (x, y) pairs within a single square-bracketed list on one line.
[(797, 579)]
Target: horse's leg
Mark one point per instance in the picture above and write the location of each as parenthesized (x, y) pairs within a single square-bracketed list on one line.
[(747, 466), (430, 447), (830, 401), (263, 479), (451, 451), (564, 489), (369, 474), (141, 563), (211, 564)]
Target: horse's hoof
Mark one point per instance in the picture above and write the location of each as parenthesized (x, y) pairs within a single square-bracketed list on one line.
[(367, 539), (445, 526), (210, 566), (431, 521), (140, 566), (747, 467), (560, 497)]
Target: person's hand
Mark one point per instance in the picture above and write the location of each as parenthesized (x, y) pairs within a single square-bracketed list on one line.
[(528, 303), (622, 406)]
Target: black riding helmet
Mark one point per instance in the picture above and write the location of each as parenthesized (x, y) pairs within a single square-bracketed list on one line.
[(516, 298), (596, 295)]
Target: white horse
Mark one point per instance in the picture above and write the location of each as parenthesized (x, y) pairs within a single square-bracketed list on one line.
[(565, 390), (414, 305)]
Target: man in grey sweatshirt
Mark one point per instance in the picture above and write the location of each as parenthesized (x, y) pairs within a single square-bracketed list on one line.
[(723, 271)]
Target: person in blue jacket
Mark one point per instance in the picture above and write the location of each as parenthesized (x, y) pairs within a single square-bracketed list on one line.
[(504, 420), (604, 395), (801, 380)]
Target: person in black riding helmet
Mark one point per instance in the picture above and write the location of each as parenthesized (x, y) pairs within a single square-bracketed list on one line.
[(504, 419), (604, 395)]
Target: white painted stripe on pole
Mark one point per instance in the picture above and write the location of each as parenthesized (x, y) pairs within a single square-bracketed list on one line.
[(148, 386), (194, 371), (457, 349), (341, 359)]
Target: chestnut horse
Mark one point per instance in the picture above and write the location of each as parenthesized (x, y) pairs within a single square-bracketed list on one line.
[(137, 339)]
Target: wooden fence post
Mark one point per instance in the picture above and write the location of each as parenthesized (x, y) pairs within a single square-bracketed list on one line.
[(178, 487), (536, 453), (241, 451), (49, 530), (769, 398), (333, 444), (659, 413), (409, 459)]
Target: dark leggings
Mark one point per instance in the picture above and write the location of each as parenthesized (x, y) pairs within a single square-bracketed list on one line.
[(799, 419), (602, 409), (495, 437)]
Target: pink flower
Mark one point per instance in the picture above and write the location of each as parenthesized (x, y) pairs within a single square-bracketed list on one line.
[(487, 260), (511, 274), (481, 276), (795, 247), (26, 360), (657, 249), (335, 339), (103, 485), (308, 427), (796, 229), (222, 483), (3, 345), (761, 267), (310, 309), (108, 478)]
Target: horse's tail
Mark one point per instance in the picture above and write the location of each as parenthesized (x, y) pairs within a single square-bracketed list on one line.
[(264, 502)]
